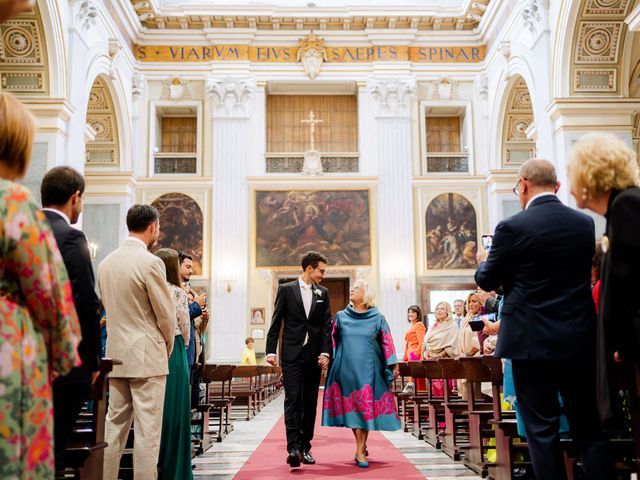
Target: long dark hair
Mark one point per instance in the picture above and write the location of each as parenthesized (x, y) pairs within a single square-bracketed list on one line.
[(170, 258), (417, 310)]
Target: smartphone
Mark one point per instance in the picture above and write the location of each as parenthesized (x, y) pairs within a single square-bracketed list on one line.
[(487, 240), (477, 324)]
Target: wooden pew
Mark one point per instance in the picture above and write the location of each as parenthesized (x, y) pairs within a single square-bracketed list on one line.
[(84, 456), (419, 400), (479, 415), (402, 399), (435, 405), (511, 449), (245, 387), (218, 380), (455, 438)]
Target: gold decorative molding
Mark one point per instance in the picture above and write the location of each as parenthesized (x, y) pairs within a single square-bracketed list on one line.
[(23, 57), (102, 150), (282, 54), (155, 18), (598, 40), (516, 145)]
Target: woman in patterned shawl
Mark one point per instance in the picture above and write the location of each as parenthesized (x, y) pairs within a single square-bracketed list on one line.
[(358, 394)]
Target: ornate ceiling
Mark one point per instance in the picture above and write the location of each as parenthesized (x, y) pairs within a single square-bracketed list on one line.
[(198, 16)]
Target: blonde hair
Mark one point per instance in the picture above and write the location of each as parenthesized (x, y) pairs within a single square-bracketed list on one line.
[(17, 127), (447, 308), (368, 295), (599, 163), (472, 294)]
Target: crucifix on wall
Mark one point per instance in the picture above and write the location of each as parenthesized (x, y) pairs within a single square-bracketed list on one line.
[(312, 161), (312, 122)]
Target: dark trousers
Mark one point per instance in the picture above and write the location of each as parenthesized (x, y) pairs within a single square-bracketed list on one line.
[(301, 379), (538, 383), (70, 392), (196, 378)]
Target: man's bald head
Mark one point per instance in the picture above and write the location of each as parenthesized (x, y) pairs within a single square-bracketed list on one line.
[(536, 176), (540, 173)]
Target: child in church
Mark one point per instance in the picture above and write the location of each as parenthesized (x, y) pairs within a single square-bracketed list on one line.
[(248, 355)]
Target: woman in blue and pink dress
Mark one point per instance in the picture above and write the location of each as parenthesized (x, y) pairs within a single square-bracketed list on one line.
[(357, 393)]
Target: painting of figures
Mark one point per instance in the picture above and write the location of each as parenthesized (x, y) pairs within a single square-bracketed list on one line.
[(181, 226), (452, 233), (290, 223)]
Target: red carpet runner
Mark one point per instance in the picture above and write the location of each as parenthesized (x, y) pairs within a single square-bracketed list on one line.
[(333, 449)]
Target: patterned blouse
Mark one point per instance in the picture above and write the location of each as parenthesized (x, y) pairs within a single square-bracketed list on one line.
[(39, 334)]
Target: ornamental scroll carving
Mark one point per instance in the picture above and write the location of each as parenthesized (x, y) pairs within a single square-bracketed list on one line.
[(393, 97), (232, 96)]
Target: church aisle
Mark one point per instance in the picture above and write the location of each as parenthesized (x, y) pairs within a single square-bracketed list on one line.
[(255, 449)]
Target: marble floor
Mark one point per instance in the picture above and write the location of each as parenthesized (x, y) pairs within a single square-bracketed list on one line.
[(223, 460)]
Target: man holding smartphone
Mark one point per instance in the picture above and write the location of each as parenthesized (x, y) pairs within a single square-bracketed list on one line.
[(542, 259)]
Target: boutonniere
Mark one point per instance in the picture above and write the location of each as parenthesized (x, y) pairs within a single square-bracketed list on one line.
[(604, 244), (317, 292)]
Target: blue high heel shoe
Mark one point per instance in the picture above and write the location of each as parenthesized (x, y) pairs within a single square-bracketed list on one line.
[(361, 464)]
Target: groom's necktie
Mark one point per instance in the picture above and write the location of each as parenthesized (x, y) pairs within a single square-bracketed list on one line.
[(306, 302)]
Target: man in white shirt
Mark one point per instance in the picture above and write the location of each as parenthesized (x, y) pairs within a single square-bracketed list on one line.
[(303, 307)]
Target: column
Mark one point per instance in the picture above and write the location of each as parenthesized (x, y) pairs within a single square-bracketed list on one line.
[(393, 101), (231, 134)]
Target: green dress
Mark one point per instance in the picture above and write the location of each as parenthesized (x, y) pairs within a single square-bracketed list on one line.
[(39, 334), (174, 460)]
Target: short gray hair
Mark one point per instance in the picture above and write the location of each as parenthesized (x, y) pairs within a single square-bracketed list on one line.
[(368, 295), (540, 172)]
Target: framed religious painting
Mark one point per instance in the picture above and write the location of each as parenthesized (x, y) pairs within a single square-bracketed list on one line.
[(450, 226), (257, 316), (288, 223), (182, 221)]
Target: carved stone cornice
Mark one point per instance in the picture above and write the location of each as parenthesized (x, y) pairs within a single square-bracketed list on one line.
[(87, 13), (232, 96), (534, 15), (392, 97)]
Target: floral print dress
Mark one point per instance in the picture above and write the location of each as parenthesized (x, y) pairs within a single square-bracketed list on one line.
[(357, 393), (39, 334)]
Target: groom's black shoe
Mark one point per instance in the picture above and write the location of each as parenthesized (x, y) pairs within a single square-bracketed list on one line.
[(307, 459), (294, 458)]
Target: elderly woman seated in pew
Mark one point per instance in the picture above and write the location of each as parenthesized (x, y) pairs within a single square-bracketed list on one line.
[(441, 341)]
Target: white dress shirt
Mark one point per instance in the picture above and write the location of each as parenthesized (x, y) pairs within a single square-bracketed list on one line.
[(543, 194)]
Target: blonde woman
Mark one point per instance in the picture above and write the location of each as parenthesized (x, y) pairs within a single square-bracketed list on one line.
[(441, 341), (603, 173), (358, 394), (469, 344)]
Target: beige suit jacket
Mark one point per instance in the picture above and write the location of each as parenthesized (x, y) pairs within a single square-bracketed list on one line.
[(140, 313)]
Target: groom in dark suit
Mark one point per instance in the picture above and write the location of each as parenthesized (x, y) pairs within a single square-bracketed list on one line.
[(303, 307), (542, 258), (61, 190)]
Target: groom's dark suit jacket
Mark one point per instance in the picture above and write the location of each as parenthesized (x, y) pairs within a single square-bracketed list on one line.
[(289, 309)]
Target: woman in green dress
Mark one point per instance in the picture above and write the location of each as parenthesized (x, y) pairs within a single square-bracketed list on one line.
[(357, 393), (39, 329), (174, 460)]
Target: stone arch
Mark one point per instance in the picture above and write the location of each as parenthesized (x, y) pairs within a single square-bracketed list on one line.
[(24, 59), (452, 233), (104, 149), (517, 118), (181, 226)]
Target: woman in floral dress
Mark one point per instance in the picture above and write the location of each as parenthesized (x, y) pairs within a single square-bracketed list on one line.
[(358, 394), (39, 329)]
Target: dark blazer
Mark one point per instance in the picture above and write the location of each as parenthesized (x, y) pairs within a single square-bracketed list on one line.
[(75, 253), (542, 258), (619, 316), (290, 310)]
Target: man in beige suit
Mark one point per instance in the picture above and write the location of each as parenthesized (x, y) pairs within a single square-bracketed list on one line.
[(140, 332)]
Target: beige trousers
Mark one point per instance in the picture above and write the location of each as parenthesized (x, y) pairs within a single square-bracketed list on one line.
[(142, 400)]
